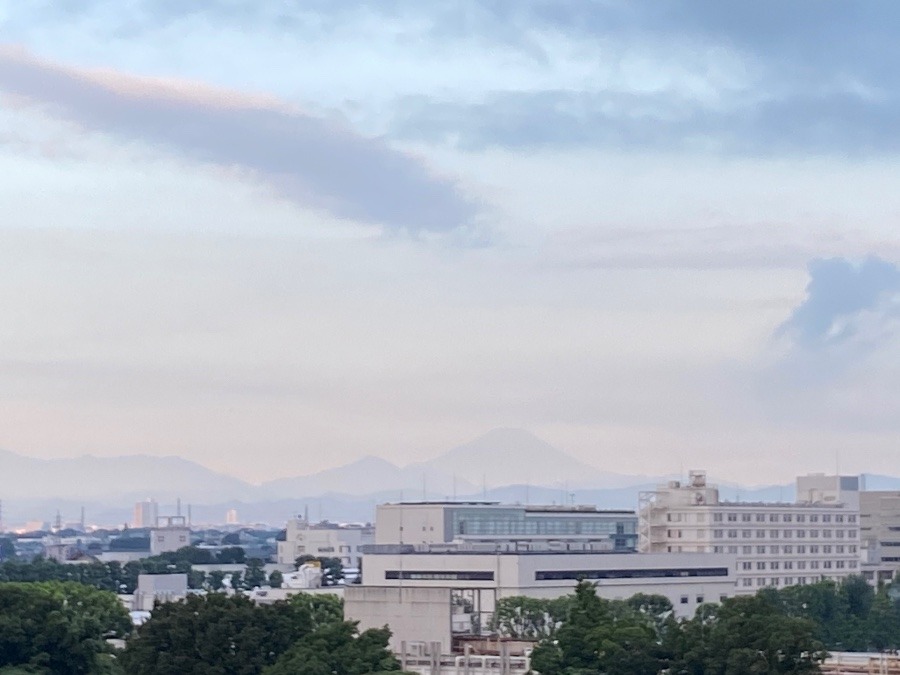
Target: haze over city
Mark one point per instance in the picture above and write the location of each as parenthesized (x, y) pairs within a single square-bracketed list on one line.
[(274, 240)]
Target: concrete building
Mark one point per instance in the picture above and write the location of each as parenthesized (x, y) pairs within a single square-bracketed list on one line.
[(444, 522), (153, 588), (146, 513), (879, 534), (324, 540), (431, 595), (775, 544), (170, 534)]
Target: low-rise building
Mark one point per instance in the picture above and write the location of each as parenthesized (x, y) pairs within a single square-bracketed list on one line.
[(438, 595), (170, 534), (444, 522), (325, 540)]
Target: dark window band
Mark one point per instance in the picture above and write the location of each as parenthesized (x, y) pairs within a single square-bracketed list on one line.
[(558, 575), (439, 576)]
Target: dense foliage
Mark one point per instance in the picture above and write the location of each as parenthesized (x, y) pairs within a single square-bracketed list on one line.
[(55, 628), (212, 634)]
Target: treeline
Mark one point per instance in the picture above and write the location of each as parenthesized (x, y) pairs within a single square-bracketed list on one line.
[(119, 578), (775, 631), (58, 628)]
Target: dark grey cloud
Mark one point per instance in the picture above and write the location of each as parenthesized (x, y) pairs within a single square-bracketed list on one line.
[(308, 160), (839, 290)]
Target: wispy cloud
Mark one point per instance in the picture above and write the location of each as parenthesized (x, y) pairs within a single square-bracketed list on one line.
[(311, 161)]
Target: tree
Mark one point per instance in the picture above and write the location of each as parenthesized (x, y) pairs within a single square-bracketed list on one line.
[(55, 627), (600, 636), (338, 648), (332, 569), (212, 634), (234, 556), (521, 617), (276, 579), (322, 609), (255, 575), (216, 580), (7, 548)]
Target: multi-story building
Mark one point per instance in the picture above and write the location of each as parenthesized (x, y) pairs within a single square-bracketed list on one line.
[(775, 544), (427, 593), (324, 540), (170, 534), (472, 522), (879, 534), (146, 513)]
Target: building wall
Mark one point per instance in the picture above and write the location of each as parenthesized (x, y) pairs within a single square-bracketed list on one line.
[(414, 614), (145, 513), (332, 542), (165, 539), (617, 576), (410, 524), (774, 544)]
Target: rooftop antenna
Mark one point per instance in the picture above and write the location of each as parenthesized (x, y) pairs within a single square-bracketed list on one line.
[(424, 488), (82, 519), (2, 529), (454, 487), (484, 487), (837, 462), (178, 507), (58, 522), (306, 514), (189, 515)]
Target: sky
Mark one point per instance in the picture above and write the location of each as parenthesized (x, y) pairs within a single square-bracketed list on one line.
[(276, 237)]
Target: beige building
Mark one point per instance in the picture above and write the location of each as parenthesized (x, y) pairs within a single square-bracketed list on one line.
[(879, 532), (170, 534), (473, 522), (324, 540), (146, 513), (439, 596), (775, 544)]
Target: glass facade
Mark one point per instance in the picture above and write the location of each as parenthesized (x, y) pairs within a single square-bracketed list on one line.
[(509, 523)]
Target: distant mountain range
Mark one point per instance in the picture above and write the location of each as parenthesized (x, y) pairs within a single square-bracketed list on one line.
[(510, 465)]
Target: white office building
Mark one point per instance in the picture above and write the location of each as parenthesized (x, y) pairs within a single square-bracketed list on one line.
[(879, 534), (472, 522), (430, 594), (775, 544), (327, 540)]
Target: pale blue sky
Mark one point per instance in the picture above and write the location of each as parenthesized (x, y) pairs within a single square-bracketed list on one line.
[(275, 237)]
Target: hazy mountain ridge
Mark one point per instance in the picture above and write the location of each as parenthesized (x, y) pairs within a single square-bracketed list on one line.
[(509, 465)]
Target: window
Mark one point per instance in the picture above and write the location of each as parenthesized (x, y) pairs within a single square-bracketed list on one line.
[(814, 565), (801, 580), (814, 548), (801, 534), (684, 599), (827, 564), (439, 576), (814, 534), (732, 517), (814, 518), (747, 534), (851, 549), (732, 534), (732, 549), (788, 564), (839, 518), (746, 566), (773, 517), (773, 534), (647, 573), (851, 519), (760, 534), (801, 518), (717, 534), (717, 549), (760, 549), (774, 565), (747, 550), (717, 517), (699, 599), (839, 564), (786, 534), (826, 518), (826, 548), (801, 549), (761, 582), (788, 581), (747, 582), (760, 565), (788, 549), (801, 564), (851, 534), (826, 534), (787, 517), (745, 517), (773, 581), (760, 517), (773, 550)]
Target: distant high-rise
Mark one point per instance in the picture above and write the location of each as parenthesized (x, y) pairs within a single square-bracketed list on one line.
[(146, 513), (231, 517)]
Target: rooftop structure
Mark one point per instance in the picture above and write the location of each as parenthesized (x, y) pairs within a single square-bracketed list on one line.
[(444, 522), (776, 544)]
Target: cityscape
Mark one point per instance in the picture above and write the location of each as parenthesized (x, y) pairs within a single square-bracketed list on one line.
[(449, 337)]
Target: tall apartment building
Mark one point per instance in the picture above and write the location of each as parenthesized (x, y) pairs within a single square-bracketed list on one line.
[(481, 522), (146, 513), (324, 540), (775, 544)]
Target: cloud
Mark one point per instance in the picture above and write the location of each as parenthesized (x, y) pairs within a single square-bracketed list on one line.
[(311, 161), (842, 297)]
